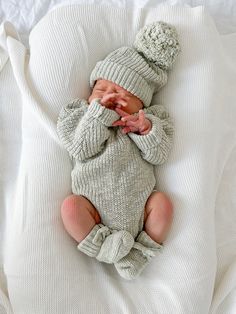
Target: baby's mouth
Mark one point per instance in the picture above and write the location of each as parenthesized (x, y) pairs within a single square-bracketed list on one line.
[(113, 106)]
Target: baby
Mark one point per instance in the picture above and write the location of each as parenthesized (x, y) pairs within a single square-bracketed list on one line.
[(115, 138)]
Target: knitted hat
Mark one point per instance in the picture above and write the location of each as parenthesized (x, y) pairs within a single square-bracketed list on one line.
[(141, 69)]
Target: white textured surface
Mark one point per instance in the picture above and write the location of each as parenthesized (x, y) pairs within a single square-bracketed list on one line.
[(24, 14), (166, 287), (224, 300)]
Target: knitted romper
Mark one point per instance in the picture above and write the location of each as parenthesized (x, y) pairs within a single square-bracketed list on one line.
[(114, 171)]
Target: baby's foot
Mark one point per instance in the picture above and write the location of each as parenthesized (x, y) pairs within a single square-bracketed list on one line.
[(106, 246), (131, 266), (92, 243), (115, 247)]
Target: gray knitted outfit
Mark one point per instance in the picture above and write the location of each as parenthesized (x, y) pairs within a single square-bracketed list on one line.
[(113, 170)]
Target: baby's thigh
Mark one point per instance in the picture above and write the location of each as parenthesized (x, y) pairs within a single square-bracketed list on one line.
[(79, 203), (157, 201)]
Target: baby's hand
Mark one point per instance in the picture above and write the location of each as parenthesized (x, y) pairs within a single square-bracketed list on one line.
[(111, 101), (133, 123)]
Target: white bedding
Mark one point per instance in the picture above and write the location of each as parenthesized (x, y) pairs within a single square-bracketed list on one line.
[(25, 14), (223, 300)]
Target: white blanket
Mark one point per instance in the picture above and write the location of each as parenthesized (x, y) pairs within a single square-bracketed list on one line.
[(199, 97), (224, 298)]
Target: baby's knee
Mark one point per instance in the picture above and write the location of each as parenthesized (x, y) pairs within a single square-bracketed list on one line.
[(166, 204), (160, 203), (70, 206), (78, 206)]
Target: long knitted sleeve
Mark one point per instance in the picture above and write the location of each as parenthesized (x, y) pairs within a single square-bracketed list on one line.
[(84, 129), (155, 145)]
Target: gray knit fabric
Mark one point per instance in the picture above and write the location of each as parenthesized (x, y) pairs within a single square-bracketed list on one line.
[(143, 250), (115, 171), (141, 69), (106, 245), (123, 67), (158, 42)]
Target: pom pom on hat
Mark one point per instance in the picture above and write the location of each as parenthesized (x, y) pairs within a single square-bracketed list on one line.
[(158, 42), (141, 69)]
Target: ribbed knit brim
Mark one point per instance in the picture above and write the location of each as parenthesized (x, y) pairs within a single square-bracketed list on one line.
[(127, 68)]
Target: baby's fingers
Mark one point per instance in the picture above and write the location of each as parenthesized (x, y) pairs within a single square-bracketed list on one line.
[(122, 102), (141, 116), (133, 123), (128, 129), (130, 118), (118, 123), (110, 97), (121, 112)]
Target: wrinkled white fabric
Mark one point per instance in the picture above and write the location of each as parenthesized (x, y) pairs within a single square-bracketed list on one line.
[(25, 14)]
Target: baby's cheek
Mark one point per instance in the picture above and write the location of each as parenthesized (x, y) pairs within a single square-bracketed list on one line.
[(133, 106), (93, 96)]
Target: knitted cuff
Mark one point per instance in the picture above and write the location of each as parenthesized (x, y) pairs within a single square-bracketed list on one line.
[(103, 114), (92, 243), (73, 109), (147, 241), (153, 138), (147, 246)]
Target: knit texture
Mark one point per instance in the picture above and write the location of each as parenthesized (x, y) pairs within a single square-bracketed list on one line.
[(198, 176), (114, 170), (127, 68), (144, 249), (105, 246), (141, 69), (159, 43)]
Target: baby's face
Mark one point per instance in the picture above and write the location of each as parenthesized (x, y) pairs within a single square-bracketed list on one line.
[(104, 87)]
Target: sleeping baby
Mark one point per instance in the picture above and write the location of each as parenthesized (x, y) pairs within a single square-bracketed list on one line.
[(115, 139)]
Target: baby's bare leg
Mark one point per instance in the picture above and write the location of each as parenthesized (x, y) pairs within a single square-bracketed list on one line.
[(79, 216), (82, 222), (158, 216)]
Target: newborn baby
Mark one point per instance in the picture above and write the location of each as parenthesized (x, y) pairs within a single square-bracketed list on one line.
[(115, 138)]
